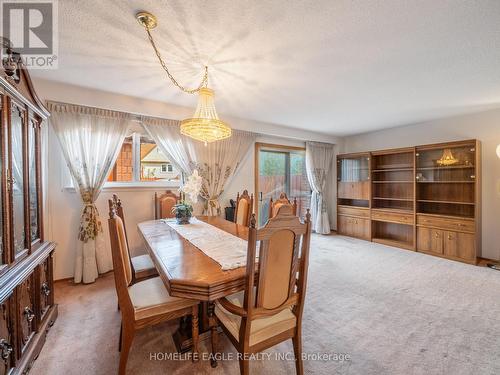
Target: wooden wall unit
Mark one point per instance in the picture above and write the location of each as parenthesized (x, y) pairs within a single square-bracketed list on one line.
[(423, 198), (354, 195), (27, 308)]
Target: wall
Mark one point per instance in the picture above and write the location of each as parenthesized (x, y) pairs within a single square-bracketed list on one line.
[(63, 205), (484, 126)]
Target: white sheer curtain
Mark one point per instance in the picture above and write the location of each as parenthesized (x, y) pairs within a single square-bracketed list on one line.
[(319, 158), (215, 162), (90, 140)]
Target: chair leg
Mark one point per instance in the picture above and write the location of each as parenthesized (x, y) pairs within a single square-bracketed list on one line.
[(120, 339), (213, 333), (194, 333), (127, 338), (297, 348), (244, 365)]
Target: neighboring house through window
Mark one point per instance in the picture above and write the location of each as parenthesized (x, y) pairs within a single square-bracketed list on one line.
[(141, 160)]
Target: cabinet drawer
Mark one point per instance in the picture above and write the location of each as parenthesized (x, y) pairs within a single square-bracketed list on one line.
[(461, 225), (354, 211), (26, 312), (392, 217), (7, 343), (354, 227), (430, 240), (354, 190), (45, 286)]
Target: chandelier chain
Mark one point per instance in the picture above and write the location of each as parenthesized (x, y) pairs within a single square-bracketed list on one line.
[(204, 81)]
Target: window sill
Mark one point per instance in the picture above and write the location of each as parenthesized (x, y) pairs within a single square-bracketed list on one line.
[(135, 186)]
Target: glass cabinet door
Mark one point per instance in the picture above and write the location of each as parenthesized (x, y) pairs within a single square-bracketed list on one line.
[(17, 179), (355, 169), (32, 177)]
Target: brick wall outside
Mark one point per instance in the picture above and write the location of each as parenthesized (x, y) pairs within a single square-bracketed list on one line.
[(123, 167)]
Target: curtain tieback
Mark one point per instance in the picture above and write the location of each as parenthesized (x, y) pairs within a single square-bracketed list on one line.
[(213, 204), (90, 223)]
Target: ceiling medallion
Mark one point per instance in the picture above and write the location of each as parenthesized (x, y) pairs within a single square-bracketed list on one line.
[(205, 125)]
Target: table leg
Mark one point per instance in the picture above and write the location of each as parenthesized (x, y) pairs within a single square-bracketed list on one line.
[(182, 336)]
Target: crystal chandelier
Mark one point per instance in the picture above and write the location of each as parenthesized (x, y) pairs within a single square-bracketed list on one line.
[(205, 125), (447, 158)]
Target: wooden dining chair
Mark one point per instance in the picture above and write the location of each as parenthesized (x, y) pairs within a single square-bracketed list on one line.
[(244, 208), (142, 265), (164, 205), (146, 302), (269, 310), (274, 206)]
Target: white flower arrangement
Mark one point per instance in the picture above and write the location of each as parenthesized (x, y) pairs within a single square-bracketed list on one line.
[(192, 187)]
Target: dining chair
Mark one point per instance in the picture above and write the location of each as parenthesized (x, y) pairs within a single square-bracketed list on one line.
[(144, 303), (142, 265), (244, 208), (269, 310), (282, 200), (164, 205)]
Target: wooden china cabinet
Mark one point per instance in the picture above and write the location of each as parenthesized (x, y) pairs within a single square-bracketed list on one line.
[(425, 198), (27, 308)]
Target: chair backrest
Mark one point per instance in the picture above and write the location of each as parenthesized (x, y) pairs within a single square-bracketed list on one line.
[(282, 267), (121, 259), (244, 208), (115, 203), (164, 204), (274, 206)]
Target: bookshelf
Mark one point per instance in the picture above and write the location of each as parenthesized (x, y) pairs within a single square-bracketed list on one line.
[(424, 198), (393, 195)]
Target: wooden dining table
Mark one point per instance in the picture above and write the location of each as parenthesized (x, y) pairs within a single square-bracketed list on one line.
[(188, 272)]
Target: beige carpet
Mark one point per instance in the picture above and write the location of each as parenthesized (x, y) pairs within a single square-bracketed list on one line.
[(392, 311)]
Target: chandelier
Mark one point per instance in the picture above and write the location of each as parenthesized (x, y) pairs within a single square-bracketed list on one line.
[(447, 158), (205, 125)]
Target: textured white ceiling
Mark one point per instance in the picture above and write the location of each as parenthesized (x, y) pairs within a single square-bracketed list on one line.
[(338, 67)]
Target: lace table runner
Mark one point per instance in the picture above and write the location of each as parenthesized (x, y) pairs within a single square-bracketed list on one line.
[(227, 250)]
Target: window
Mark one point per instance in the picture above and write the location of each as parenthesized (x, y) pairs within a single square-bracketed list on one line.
[(140, 160), (281, 169)]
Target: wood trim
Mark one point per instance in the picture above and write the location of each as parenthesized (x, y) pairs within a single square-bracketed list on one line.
[(256, 178), (402, 150), (478, 200), (6, 256), (353, 155), (446, 144), (272, 146)]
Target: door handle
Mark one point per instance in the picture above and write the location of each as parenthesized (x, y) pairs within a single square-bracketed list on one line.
[(260, 196)]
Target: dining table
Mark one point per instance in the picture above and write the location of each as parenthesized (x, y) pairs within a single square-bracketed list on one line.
[(188, 272)]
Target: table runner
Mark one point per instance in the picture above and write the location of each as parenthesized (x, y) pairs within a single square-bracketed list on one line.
[(223, 247)]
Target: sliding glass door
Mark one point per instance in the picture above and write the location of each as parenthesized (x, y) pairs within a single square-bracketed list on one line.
[(280, 169)]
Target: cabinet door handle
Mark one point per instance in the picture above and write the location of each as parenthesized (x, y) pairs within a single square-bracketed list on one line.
[(450, 237), (30, 315), (5, 349), (45, 289), (437, 235)]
